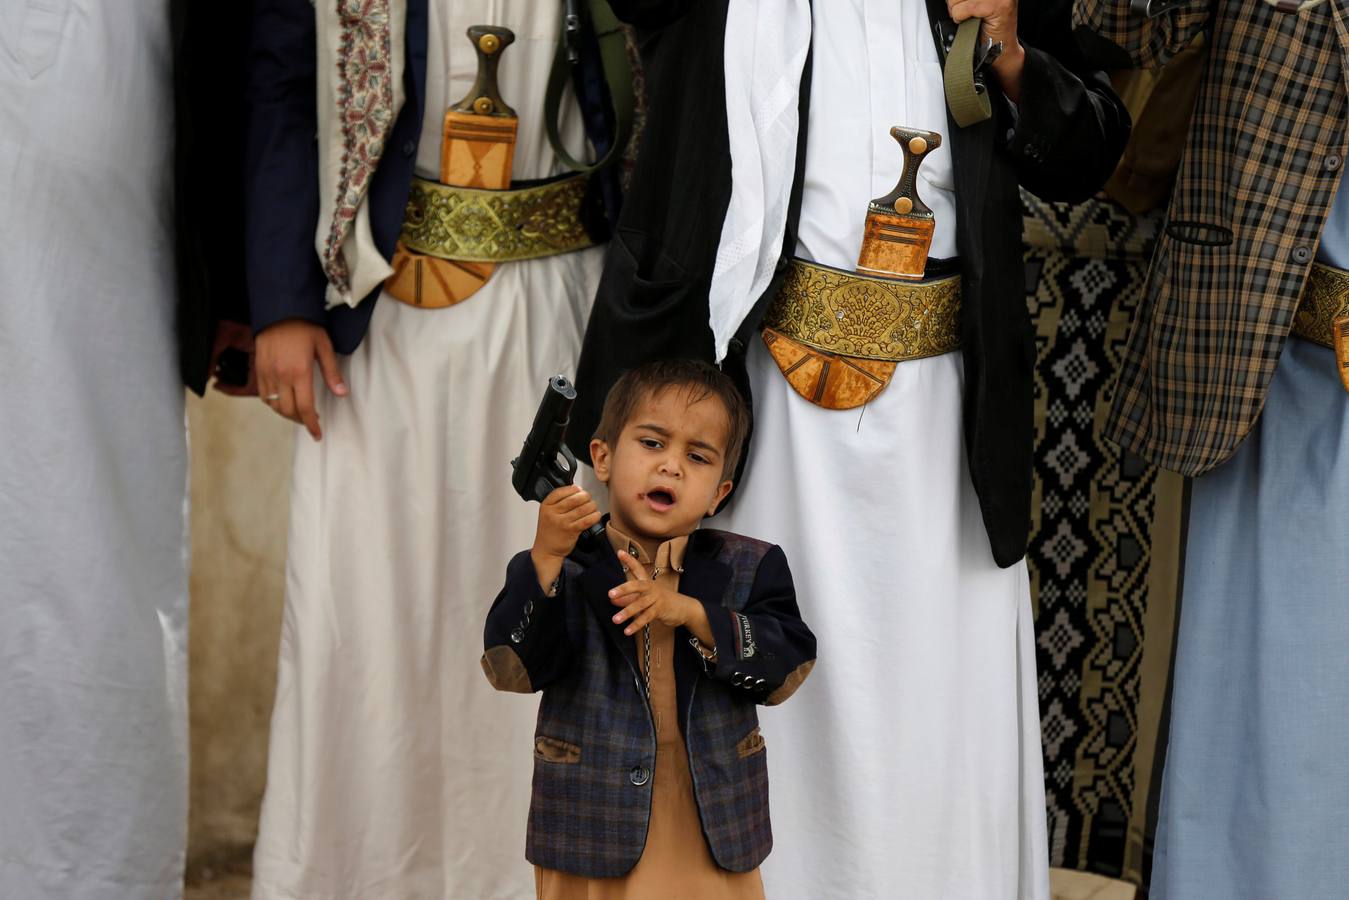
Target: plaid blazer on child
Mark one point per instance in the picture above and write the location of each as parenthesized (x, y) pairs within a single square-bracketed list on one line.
[(595, 747), (1263, 159)]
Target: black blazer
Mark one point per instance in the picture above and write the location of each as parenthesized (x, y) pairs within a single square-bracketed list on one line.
[(208, 68), (1062, 143), (595, 747)]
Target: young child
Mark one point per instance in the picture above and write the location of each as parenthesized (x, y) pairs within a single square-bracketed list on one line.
[(651, 646)]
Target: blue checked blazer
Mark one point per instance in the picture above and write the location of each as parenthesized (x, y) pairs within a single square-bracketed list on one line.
[(595, 747)]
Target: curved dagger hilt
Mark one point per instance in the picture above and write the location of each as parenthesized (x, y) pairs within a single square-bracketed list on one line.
[(904, 199), (484, 98)]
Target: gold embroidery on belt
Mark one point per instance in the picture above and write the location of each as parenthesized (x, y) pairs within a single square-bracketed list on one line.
[(1323, 314), (1325, 300), (858, 316), (474, 225)]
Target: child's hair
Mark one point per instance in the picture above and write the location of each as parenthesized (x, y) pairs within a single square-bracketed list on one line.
[(702, 381)]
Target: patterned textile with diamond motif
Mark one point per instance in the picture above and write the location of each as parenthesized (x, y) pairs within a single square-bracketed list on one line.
[(1104, 545)]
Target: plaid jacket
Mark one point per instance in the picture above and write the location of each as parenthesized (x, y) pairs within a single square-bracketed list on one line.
[(595, 748), (1262, 162)]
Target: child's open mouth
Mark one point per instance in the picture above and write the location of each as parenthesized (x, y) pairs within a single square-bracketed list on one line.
[(660, 500)]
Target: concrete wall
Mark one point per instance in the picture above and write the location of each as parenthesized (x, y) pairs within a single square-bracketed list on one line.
[(241, 455)]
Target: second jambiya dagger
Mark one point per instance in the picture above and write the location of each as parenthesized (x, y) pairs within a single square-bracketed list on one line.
[(899, 226)]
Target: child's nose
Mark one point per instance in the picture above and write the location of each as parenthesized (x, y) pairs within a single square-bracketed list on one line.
[(670, 465)]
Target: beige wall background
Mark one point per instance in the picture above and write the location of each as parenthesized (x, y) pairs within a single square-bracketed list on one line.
[(241, 457)]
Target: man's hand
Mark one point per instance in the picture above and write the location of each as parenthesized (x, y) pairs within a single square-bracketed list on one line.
[(645, 601), (284, 361), (234, 336), (999, 25), (563, 515)]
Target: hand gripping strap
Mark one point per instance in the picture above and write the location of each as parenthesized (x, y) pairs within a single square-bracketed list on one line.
[(968, 102)]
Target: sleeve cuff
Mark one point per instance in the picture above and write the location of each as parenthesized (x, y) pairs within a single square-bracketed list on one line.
[(1024, 138)]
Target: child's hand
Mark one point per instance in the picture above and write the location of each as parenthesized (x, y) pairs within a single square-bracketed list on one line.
[(563, 515), (645, 601)]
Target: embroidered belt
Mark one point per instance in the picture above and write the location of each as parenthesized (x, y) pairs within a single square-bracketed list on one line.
[(1323, 314), (837, 336), (473, 226), (476, 225)]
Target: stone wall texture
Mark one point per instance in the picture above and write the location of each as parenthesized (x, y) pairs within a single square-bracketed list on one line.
[(241, 456)]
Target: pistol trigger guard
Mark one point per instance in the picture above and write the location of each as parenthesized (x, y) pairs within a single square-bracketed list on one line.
[(570, 458)]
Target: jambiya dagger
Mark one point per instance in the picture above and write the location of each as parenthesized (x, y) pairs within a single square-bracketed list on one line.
[(899, 226)]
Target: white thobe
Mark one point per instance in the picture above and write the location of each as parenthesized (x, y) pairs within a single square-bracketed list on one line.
[(908, 765), (93, 473), (395, 771)]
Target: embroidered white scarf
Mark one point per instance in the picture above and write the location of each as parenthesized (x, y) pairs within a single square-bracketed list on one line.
[(764, 61), (360, 92)]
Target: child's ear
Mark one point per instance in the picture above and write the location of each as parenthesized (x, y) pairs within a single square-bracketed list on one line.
[(722, 490), (599, 459)]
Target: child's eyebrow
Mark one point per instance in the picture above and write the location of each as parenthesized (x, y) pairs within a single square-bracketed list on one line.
[(665, 432)]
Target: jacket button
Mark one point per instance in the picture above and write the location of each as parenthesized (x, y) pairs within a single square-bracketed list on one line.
[(758, 682), (1333, 162), (1302, 255), (639, 775), (409, 147), (529, 608), (517, 636)]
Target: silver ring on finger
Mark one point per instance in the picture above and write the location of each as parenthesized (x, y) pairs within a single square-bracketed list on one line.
[(271, 398)]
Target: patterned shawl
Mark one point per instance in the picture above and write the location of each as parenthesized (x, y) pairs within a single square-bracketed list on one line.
[(360, 92)]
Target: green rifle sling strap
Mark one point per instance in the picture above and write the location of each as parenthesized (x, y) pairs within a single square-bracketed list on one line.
[(617, 75), (969, 104)]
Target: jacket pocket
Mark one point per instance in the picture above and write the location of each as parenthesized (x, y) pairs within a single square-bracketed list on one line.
[(750, 744), (556, 750), (649, 278)]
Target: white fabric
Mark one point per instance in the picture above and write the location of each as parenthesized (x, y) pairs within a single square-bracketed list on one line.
[(765, 52), (366, 266), (908, 765), (93, 473), (395, 770)]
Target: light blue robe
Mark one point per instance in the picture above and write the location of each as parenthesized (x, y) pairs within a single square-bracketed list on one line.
[(1255, 796)]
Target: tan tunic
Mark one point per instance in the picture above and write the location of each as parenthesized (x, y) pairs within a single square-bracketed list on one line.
[(676, 861)]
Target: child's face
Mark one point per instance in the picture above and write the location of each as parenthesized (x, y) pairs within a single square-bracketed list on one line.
[(664, 470)]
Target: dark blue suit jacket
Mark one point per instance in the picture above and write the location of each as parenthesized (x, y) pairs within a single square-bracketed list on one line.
[(285, 280), (595, 745)]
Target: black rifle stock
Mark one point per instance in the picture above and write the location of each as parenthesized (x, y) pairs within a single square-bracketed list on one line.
[(545, 464)]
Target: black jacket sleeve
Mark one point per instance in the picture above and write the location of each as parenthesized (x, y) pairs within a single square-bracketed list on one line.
[(1070, 127), (764, 650), (650, 13), (208, 61), (281, 191), (526, 646)]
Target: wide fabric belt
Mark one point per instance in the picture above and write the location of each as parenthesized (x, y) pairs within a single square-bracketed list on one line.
[(1323, 314), (837, 336), (475, 225), (467, 227)]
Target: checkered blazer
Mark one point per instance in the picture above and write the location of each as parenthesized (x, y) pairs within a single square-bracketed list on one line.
[(1262, 162), (595, 747)]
